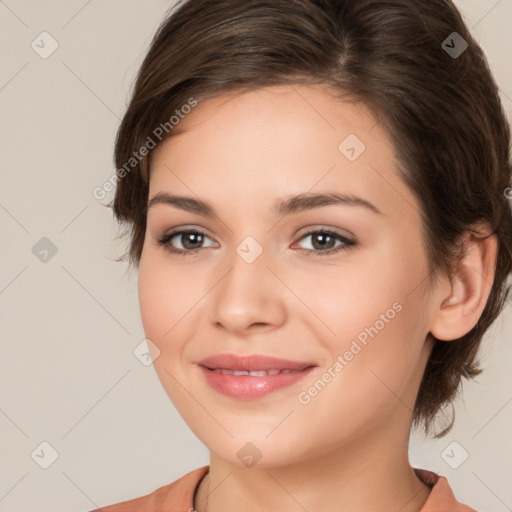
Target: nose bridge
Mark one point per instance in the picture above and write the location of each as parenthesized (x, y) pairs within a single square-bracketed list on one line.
[(248, 293), (248, 275)]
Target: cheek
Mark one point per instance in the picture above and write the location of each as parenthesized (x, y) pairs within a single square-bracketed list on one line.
[(152, 301), (350, 300), (163, 311), (162, 300), (377, 325), (167, 290), (373, 379)]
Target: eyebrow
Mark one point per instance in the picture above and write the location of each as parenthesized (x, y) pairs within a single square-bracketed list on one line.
[(284, 206)]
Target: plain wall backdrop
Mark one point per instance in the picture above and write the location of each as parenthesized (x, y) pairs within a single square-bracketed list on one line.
[(69, 313)]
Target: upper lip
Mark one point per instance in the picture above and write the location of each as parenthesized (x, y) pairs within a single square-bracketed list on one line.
[(252, 362)]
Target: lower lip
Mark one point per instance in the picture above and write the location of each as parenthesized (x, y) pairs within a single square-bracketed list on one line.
[(248, 387)]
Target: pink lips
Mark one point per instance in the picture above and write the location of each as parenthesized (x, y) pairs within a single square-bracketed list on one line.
[(248, 387)]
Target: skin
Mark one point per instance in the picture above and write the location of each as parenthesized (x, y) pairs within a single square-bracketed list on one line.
[(347, 449)]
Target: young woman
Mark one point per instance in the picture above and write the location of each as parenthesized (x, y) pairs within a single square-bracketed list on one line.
[(317, 200)]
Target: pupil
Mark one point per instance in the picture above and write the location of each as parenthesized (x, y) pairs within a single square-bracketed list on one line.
[(323, 237), (192, 236)]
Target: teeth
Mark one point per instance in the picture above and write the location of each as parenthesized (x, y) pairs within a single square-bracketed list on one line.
[(254, 373)]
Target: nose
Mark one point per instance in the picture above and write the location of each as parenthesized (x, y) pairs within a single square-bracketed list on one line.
[(249, 297)]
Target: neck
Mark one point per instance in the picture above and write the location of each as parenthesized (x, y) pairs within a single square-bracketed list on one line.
[(371, 474)]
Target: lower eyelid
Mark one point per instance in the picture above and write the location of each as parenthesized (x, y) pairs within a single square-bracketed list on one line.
[(345, 242)]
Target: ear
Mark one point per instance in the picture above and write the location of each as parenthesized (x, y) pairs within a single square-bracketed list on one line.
[(460, 304)]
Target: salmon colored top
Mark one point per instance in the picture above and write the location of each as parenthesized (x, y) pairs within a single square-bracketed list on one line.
[(178, 496)]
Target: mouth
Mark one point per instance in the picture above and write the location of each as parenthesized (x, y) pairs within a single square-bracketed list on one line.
[(252, 377), (254, 373)]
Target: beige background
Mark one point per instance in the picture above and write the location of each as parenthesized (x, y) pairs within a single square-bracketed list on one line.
[(69, 326)]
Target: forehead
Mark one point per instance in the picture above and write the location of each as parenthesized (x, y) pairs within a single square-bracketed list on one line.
[(298, 108), (276, 141)]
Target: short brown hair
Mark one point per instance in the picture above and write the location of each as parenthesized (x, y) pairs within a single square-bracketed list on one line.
[(404, 59)]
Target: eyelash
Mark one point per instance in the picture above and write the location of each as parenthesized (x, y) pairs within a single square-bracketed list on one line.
[(347, 243)]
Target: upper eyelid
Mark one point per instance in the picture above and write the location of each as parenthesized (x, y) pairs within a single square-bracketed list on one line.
[(308, 232), (312, 227)]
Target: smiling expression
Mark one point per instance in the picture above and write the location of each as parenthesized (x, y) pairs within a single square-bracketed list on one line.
[(298, 236)]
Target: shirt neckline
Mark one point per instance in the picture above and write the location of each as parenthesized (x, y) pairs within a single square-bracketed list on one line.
[(429, 478)]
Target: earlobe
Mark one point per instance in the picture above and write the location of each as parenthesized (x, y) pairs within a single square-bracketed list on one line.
[(458, 311)]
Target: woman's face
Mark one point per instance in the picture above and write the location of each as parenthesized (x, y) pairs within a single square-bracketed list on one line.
[(351, 303)]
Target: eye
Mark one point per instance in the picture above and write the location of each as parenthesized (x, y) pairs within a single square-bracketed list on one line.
[(190, 238), (324, 239)]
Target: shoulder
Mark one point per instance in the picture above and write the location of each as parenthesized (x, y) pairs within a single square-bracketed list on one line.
[(178, 495), (441, 497)]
